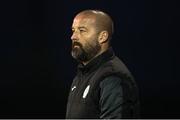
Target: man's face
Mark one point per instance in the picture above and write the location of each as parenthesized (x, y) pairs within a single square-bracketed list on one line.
[(84, 37)]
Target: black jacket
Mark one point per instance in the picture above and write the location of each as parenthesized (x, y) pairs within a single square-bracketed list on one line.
[(104, 88)]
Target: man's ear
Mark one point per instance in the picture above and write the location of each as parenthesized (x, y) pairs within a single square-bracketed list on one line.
[(103, 37)]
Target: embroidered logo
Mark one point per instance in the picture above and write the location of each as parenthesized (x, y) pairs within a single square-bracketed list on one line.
[(74, 87), (86, 91)]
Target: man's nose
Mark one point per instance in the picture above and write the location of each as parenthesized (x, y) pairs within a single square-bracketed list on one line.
[(74, 36)]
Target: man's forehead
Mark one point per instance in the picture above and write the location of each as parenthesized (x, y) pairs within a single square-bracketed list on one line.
[(84, 20)]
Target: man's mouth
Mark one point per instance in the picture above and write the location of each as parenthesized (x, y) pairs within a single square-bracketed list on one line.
[(76, 46)]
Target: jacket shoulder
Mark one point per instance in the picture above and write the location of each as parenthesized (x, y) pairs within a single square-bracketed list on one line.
[(114, 67)]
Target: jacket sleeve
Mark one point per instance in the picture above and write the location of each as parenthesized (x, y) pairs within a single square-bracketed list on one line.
[(111, 98)]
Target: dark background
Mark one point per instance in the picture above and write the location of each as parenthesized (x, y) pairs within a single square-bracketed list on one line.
[(37, 68)]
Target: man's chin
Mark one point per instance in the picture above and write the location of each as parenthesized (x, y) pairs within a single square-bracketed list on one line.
[(79, 56), (75, 53)]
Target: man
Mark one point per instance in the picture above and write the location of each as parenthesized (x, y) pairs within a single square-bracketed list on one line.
[(103, 87)]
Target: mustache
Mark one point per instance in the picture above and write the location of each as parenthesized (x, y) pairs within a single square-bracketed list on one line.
[(76, 43)]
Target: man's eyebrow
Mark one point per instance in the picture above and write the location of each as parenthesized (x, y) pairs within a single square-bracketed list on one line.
[(82, 27)]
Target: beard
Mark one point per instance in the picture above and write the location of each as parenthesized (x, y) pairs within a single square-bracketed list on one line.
[(84, 53)]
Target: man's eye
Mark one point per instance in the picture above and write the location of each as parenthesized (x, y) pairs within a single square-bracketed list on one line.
[(82, 30)]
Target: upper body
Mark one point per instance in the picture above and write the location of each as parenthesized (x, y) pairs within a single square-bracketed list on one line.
[(103, 86)]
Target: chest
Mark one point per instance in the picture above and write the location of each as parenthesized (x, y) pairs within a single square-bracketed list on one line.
[(83, 97)]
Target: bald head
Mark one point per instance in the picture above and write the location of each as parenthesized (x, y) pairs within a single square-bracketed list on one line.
[(103, 21)]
